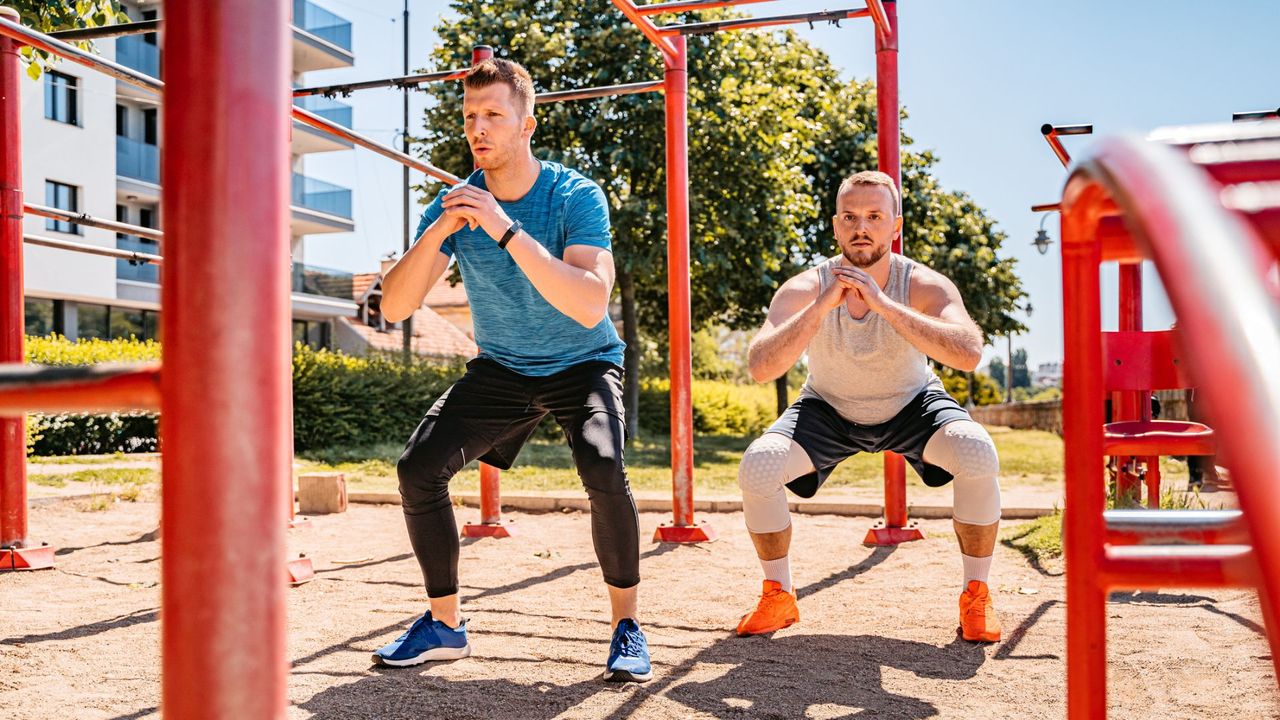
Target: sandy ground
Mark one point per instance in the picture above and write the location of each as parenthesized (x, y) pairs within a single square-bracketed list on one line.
[(877, 636)]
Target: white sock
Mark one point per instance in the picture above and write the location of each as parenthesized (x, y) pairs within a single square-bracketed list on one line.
[(779, 571), (976, 568)]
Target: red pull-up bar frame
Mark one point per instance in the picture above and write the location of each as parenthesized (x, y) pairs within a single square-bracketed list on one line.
[(895, 527)]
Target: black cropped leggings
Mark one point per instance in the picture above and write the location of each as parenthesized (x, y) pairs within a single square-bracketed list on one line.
[(489, 414)]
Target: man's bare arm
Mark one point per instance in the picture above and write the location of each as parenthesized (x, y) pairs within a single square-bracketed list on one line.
[(578, 286), (794, 318), (410, 279)]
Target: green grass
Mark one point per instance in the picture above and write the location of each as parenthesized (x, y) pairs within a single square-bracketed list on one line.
[(1039, 539), (102, 476), (82, 459), (1029, 455)]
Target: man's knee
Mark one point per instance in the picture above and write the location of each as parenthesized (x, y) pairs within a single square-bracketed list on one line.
[(424, 470), (597, 453), (762, 471), (965, 450)]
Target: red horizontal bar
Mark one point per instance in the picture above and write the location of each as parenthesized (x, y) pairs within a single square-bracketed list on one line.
[(596, 92), (689, 5), (91, 221), (879, 17), (53, 46), (1056, 146), (1166, 527), (753, 23), (633, 14), (399, 81), (92, 249), (1152, 567), (101, 388), (335, 129), (1047, 207)]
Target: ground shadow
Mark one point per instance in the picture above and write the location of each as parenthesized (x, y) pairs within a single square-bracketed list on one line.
[(1011, 640), (877, 556), (1201, 601), (137, 617), (783, 677), (146, 537)]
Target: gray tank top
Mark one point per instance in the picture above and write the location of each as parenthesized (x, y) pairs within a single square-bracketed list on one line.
[(864, 368)]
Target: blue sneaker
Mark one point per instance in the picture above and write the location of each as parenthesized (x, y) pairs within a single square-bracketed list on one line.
[(628, 654), (426, 639)]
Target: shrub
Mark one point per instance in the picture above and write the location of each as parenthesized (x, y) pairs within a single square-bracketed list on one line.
[(79, 433), (719, 408)]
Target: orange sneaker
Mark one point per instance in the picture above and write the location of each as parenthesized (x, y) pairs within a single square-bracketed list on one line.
[(776, 610), (978, 621)]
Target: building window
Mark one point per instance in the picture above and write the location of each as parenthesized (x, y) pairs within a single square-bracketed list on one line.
[(61, 101), (64, 197), (39, 316), (149, 38), (122, 121), (122, 215), (314, 333), (150, 132), (145, 217), (91, 321)]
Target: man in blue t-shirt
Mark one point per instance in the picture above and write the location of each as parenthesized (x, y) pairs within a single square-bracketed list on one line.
[(532, 242)]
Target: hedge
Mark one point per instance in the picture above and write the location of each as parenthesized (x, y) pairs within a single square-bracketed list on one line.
[(342, 401)]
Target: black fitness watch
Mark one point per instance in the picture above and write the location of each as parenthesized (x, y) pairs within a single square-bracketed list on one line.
[(511, 232)]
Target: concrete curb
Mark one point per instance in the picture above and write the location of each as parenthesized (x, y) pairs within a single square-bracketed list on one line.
[(561, 502)]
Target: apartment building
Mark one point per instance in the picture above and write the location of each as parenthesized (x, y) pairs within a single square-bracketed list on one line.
[(92, 144)]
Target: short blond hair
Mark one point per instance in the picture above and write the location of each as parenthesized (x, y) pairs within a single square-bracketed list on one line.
[(498, 70), (873, 177)]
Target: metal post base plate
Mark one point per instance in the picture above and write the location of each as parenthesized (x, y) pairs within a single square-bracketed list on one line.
[(502, 529), (39, 557), (881, 534), (696, 533), (300, 571)]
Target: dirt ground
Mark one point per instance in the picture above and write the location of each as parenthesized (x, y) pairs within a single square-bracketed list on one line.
[(877, 636)]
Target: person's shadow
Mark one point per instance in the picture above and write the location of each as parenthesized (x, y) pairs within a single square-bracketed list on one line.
[(783, 677)]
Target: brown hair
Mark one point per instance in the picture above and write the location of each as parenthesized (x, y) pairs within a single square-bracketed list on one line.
[(872, 177), (511, 74)]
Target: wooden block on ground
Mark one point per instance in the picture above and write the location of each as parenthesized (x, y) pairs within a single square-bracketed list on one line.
[(321, 493)]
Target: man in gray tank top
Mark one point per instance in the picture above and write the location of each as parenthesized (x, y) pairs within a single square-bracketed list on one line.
[(870, 321)]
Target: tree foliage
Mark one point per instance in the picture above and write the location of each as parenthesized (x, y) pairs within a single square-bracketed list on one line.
[(46, 17)]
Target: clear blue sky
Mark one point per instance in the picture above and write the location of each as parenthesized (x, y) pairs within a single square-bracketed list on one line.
[(978, 80)]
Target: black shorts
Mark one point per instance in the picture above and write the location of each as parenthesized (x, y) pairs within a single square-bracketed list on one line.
[(828, 438), (497, 409)]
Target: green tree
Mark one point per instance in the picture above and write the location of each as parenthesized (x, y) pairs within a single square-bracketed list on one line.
[(750, 127), (50, 17), (772, 131), (997, 370), (1021, 375)]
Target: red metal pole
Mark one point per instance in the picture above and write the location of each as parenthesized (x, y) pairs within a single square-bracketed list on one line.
[(13, 437), (893, 528), (490, 524), (1083, 528), (679, 317), (225, 393), (1129, 404)]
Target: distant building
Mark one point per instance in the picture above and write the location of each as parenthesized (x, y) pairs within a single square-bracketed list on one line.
[(1049, 373), (438, 332)]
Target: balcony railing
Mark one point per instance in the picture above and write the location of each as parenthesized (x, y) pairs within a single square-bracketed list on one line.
[(328, 282), (138, 160), (321, 196), (134, 52), (331, 110), (322, 23), (142, 272)]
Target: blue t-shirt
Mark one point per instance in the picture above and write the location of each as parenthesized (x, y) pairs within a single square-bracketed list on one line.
[(514, 324)]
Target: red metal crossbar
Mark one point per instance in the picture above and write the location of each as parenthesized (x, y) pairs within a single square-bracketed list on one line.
[(1174, 208)]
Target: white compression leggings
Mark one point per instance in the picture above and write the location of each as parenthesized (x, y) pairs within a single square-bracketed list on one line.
[(962, 448)]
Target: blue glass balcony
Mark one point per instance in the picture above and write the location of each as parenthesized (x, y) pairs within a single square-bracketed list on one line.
[(328, 282), (142, 272), (322, 23), (138, 160), (330, 110), (321, 196), (136, 53)]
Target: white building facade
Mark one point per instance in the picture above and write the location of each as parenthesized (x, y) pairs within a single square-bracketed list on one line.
[(92, 144)]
